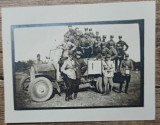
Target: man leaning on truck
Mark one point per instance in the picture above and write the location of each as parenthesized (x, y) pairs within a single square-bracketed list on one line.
[(69, 70)]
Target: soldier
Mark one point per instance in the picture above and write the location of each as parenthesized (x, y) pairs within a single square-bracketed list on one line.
[(38, 61), (91, 34), (80, 69), (103, 42), (98, 38), (113, 52), (69, 70), (110, 42), (106, 51), (121, 51), (120, 46), (126, 67), (104, 38), (86, 31), (86, 48), (67, 45), (96, 51), (108, 72), (70, 31)]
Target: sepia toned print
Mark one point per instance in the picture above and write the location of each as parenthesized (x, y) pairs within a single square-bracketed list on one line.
[(90, 65)]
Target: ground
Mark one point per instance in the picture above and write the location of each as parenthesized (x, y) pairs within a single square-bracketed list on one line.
[(86, 97)]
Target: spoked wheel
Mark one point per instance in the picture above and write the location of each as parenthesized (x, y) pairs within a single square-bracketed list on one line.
[(41, 89), (24, 83), (99, 85)]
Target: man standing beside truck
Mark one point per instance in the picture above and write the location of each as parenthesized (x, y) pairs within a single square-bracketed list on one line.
[(81, 67), (69, 70), (126, 67)]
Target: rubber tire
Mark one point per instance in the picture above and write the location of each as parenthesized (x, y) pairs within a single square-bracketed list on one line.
[(46, 85)]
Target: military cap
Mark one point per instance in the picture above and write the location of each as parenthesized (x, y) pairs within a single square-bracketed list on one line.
[(120, 36), (97, 32), (90, 29), (104, 36), (111, 36), (127, 55), (85, 29), (70, 52)]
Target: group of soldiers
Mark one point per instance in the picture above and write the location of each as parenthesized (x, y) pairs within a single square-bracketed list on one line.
[(92, 45), (78, 45)]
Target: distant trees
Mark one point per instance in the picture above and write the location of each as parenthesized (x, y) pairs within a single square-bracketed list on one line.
[(23, 66), (137, 65)]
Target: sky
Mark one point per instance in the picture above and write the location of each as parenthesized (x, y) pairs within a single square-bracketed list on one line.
[(31, 41)]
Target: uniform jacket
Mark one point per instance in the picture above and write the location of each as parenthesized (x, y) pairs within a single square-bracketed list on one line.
[(126, 66), (69, 69), (108, 68), (110, 43), (121, 45), (81, 67), (114, 54)]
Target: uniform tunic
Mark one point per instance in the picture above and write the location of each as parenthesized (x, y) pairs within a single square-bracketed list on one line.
[(69, 69), (121, 45), (108, 68), (110, 43), (126, 66)]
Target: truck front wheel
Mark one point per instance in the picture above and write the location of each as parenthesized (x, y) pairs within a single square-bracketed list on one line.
[(41, 89)]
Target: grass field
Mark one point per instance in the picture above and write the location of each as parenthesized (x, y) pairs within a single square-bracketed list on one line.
[(86, 97)]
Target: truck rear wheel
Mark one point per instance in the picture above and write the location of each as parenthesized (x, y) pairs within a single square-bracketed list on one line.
[(41, 89)]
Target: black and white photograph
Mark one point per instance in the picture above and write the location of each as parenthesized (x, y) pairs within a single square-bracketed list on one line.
[(81, 65), (87, 62)]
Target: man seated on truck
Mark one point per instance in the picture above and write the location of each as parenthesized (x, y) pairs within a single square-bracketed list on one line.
[(96, 51), (111, 42), (81, 68), (69, 70), (38, 61), (113, 52), (120, 47)]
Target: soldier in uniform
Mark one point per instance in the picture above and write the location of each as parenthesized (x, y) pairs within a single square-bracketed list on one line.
[(70, 31), (69, 71), (81, 67), (120, 46), (126, 67), (108, 72), (106, 51), (91, 34), (102, 44), (86, 48), (38, 61), (113, 52), (120, 50), (98, 38), (110, 42), (96, 51), (104, 39), (86, 31)]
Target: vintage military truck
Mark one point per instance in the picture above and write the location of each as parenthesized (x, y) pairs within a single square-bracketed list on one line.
[(43, 79)]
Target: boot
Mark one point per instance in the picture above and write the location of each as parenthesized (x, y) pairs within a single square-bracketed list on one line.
[(66, 99), (70, 97), (75, 95)]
